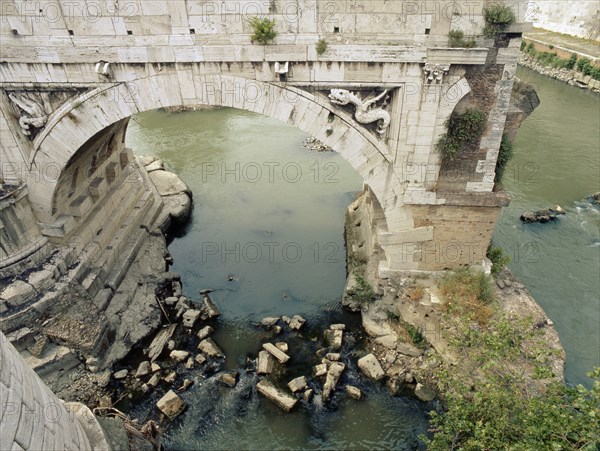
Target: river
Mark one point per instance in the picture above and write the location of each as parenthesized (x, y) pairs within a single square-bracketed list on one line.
[(267, 235)]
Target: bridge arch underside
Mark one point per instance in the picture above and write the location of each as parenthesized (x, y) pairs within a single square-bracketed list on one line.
[(86, 144)]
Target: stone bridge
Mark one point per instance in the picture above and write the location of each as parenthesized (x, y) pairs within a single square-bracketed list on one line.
[(73, 72)]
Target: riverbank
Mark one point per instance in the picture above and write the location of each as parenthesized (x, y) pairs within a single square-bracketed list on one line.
[(571, 60)]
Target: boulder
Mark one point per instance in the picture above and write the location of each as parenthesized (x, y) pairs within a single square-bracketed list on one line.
[(408, 349), (424, 393), (154, 380), (543, 216), (320, 370), (333, 356), (178, 355), (298, 384), (190, 317), (389, 341), (307, 395), (333, 376), (370, 367), (334, 338), (354, 392), (282, 399), (210, 310), (168, 183), (121, 374), (170, 378), (269, 321), (156, 165), (200, 359), (154, 367), (210, 348), (179, 206), (282, 346), (265, 363), (281, 356), (171, 301), (189, 364), (205, 332), (171, 405), (297, 322)]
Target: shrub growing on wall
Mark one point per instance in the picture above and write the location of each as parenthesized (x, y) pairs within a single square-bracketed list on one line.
[(456, 38), (263, 30), (497, 18), (463, 129), (321, 46)]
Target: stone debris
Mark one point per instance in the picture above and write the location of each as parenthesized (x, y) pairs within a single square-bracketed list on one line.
[(154, 367), (159, 342), (265, 363), (178, 355), (269, 321), (121, 374), (187, 383), (205, 332), (154, 380), (354, 392), (297, 384), (189, 364), (334, 338), (370, 367), (394, 385), (228, 378), (333, 375), (389, 341), (281, 356), (542, 216), (143, 369), (190, 317), (171, 301), (308, 394), (210, 348), (409, 378), (277, 330), (297, 322), (171, 405), (282, 399), (333, 356), (320, 369), (181, 307), (170, 378), (200, 359), (408, 349), (171, 345), (286, 319), (424, 393), (282, 346), (210, 310), (37, 348), (337, 327)]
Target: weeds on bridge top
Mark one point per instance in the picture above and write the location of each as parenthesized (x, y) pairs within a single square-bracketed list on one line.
[(263, 30)]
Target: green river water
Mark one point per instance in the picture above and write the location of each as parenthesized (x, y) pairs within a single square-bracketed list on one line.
[(267, 235)]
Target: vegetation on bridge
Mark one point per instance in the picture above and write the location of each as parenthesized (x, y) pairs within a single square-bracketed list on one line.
[(497, 19), (463, 129), (263, 30)]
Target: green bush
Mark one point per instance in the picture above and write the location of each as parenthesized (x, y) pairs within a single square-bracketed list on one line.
[(497, 18), (505, 154), (498, 258), (456, 38), (530, 47), (463, 129), (523, 46), (500, 416), (263, 30), (364, 293), (321, 46), (583, 62)]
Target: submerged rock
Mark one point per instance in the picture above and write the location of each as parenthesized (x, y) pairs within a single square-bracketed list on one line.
[(542, 216), (228, 378), (298, 384), (354, 392), (210, 310), (269, 321), (282, 399), (297, 322), (210, 348), (424, 393), (122, 374), (187, 383), (333, 376), (171, 405)]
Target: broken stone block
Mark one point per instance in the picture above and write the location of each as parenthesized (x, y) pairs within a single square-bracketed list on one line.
[(170, 378), (182, 306), (333, 356), (370, 367), (308, 394), (333, 375), (228, 378), (171, 301), (334, 338), (154, 367), (409, 378), (210, 348), (279, 355), (143, 369), (37, 348), (265, 363), (282, 346), (337, 327), (298, 384), (179, 356), (187, 383), (353, 392), (269, 321), (171, 345), (286, 319), (171, 405), (210, 310), (200, 359), (17, 293), (160, 341), (424, 393), (190, 317), (408, 349), (189, 364), (154, 380), (389, 341), (205, 332), (282, 399), (320, 369), (297, 322), (121, 374)]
